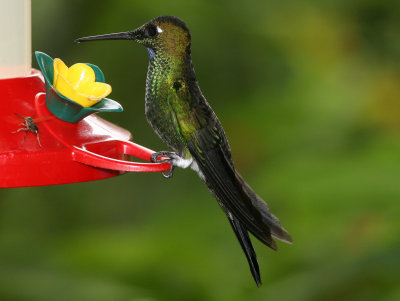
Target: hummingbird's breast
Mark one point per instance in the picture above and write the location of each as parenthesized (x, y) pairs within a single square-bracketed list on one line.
[(158, 111)]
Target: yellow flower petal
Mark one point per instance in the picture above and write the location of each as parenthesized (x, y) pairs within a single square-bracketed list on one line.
[(80, 76), (78, 83), (59, 68), (98, 91)]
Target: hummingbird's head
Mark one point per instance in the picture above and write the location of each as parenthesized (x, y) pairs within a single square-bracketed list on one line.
[(166, 34)]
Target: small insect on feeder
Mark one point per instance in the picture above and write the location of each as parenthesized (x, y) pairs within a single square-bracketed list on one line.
[(45, 137)]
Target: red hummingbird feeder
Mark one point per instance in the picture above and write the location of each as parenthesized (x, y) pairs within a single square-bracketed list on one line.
[(43, 143)]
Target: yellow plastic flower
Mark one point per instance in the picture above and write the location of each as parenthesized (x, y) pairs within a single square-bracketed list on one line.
[(78, 83)]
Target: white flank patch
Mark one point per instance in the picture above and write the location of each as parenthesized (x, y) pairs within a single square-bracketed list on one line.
[(181, 162)]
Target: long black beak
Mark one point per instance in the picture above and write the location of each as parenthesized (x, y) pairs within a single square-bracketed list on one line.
[(127, 35)]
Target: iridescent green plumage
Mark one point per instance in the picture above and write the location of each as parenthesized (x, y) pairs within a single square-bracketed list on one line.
[(183, 119), (170, 78)]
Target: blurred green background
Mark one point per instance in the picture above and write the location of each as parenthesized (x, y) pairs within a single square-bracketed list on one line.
[(309, 95)]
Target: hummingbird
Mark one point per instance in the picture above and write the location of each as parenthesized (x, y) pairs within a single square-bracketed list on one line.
[(181, 116)]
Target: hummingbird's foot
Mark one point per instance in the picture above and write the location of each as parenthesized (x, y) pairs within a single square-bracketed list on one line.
[(173, 159), (170, 173), (171, 156)]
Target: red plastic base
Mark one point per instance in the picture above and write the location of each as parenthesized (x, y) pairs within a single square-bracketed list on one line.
[(91, 149)]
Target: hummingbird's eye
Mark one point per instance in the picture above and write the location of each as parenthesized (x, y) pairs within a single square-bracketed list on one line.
[(151, 31)]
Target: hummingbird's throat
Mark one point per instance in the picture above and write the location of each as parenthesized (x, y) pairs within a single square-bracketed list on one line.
[(151, 52)]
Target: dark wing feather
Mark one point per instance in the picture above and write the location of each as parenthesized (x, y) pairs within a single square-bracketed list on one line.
[(210, 148), (222, 181)]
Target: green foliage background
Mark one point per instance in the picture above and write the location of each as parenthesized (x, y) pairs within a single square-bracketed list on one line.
[(309, 95)]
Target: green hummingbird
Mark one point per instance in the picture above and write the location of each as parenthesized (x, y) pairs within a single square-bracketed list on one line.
[(181, 116)]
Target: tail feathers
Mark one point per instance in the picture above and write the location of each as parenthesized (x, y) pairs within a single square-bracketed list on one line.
[(244, 240), (270, 220), (282, 235)]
